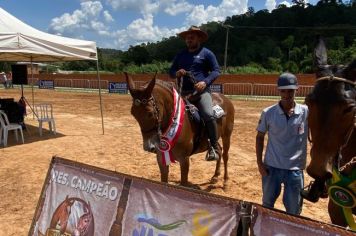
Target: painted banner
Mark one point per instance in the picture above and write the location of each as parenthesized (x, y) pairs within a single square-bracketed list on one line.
[(271, 223), (78, 201), (46, 84), (161, 211), (118, 87), (82, 200), (216, 88)]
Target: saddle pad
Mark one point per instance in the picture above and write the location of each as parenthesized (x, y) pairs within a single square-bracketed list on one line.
[(218, 111)]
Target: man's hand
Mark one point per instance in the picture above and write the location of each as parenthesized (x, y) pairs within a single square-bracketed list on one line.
[(180, 73), (260, 137), (262, 169), (200, 86)]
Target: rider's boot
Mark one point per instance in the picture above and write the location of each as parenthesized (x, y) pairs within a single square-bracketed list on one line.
[(314, 191), (214, 150)]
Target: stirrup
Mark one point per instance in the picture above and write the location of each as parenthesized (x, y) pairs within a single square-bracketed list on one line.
[(213, 157)]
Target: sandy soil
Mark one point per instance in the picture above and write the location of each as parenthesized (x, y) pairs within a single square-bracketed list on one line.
[(23, 167)]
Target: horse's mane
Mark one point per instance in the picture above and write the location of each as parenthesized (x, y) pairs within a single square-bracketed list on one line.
[(166, 85)]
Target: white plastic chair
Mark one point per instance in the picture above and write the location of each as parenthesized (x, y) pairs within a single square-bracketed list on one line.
[(6, 126), (45, 114)]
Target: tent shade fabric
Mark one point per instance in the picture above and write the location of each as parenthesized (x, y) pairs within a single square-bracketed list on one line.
[(21, 42)]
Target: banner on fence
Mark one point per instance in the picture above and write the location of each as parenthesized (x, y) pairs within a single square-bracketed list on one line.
[(270, 222), (46, 84), (118, 87), (216, 88), (185, 213), (78, 198)]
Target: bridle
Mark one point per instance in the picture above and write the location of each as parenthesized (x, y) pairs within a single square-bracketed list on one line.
[(349, 132), (331, 78), (157, 125)]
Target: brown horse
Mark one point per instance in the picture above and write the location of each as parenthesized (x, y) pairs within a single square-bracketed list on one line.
[(61, 215), (332, 110), (153, 106)]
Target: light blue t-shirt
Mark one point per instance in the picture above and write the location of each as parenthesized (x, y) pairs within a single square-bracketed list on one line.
[(287, 138)]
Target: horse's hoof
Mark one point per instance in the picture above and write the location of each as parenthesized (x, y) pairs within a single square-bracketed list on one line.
[(214, 180), (226, 185), (197, 187), (191, 185)]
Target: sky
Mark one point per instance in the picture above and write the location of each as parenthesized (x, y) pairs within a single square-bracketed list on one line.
[(119, 24)]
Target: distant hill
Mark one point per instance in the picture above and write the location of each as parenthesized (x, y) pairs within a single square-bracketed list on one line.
[(259, 41)]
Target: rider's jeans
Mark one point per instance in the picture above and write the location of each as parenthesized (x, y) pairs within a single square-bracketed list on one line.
[(204, 105), (293, 181)]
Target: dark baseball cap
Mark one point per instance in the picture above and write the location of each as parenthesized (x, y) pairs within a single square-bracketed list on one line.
[(287, 81)]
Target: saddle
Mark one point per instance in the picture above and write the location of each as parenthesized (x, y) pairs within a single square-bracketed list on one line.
[(195, 117), (194, 113)]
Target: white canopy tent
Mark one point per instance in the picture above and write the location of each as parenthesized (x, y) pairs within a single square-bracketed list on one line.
[(21, 42)]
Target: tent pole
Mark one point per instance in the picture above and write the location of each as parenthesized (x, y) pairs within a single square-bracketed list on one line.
[(101, 103), (33, 96)]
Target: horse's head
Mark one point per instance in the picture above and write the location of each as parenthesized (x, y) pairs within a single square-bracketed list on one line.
[(61, 215), (331, 113), (146, 111), (85, 223)]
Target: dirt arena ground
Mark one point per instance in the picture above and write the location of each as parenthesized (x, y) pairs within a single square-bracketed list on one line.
[(23, 167)]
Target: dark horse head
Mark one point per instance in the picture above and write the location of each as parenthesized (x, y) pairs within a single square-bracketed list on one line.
[(332, 114)]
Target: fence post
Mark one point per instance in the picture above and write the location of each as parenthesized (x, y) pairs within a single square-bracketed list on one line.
[(245, 218)]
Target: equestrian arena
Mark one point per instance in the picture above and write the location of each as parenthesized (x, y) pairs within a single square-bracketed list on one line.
[(23, 167)]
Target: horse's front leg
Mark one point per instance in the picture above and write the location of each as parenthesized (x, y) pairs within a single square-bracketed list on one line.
[(216, 175), (164, 169), (184, 170), (214, 179)]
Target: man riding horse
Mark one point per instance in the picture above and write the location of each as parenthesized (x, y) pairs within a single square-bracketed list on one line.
[(201, 64)]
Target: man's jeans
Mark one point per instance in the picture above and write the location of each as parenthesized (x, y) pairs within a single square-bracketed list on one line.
[(205, 106), (293, 181)]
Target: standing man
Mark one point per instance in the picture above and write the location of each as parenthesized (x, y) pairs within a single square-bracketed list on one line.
[(201, 64), (4, 79), (9, 80), (285, 156)]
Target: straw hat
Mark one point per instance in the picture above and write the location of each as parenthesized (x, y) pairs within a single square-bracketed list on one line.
[(194, 29)]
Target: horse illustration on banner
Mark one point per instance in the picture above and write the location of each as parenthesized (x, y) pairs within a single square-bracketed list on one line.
[(72, 217)]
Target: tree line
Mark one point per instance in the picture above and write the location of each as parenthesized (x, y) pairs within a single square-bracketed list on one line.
[(259, 42)]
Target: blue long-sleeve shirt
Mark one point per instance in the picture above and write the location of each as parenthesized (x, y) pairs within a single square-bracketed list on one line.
[(202, 64)]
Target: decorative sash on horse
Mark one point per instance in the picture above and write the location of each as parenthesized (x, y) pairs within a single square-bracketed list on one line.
[(169, 138)]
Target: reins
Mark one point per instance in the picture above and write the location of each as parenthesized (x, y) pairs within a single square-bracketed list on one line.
[(156, 110), (139, 102), (353, 160)]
